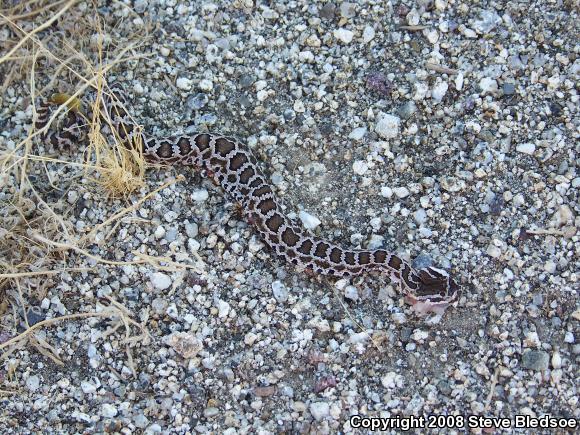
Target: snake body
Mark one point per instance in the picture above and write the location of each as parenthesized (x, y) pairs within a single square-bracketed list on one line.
[(231, 164)]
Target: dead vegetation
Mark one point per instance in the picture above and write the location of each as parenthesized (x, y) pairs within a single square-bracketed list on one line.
[(64, 47)]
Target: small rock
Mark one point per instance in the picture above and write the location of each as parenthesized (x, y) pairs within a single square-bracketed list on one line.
[(199, 195), (509, 88), (347, 10), (309, 221), (387, 126), (343, 35), (368, 34), (223, 309), (557, 360), (183, 83), (185, 344), (108, 410), (535, 360), (401, 192), (33, 383), (439, 91), (88, 387), (526, 148), (358, 133), (159, 232), (319, 410), (488, 85), (160, 281), (206, 85), (351, 292), (386, 192), (493, 251), (360, 167), (279, 291)]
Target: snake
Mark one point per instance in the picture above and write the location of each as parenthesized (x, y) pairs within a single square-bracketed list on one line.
[(232, 165)]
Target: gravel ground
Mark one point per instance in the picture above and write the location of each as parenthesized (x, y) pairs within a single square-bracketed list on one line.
[(444, 130)]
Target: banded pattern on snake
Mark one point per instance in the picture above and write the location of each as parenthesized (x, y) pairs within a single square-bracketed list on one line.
[(232, 164)]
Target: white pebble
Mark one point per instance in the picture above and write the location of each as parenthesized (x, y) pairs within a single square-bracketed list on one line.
[(557, 360), (526, 148), (351, 292), (279, 291), (199, 195), (223, 309), (488, 85), (550, 266), (493, 251), (439, 91), (358, 133), (419, 335), (387, 126), (459, 81), (88, 387), (206, 85), (108, 410), (299, 106), (159, 232), (432, 35), (360, 167), (309, 221), (343, 35), (401, 192), (392, 380), (160, 281), (33, 383), (386, 191), (319, 410), (250, 338), (368, 34), (183, 83), (420, 216)]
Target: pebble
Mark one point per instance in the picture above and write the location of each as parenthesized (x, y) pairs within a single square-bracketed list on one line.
[(223, 309), (351, 292), (159, 232), (33, 383), (368, 34), (535, 360), (347, 9), (200, 195), (160, 281), (509, 88), (88, 387), (184, 343), (488, 85), (309, 221), (526, 148), (439, 91), (388, 126), (386, 191), (343, 35), (358, 133), (401, 192), (360, 167), (420, 216), (279, 291), (108, 410), (206, 85), (319, 410), (184, 83)]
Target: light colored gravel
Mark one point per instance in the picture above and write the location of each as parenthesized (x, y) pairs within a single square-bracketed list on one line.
[(447, 133)]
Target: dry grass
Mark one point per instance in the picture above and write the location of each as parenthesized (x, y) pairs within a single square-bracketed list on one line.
[(56, 45)]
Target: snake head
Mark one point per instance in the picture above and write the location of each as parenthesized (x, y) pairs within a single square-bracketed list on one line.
[(433, 290)]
